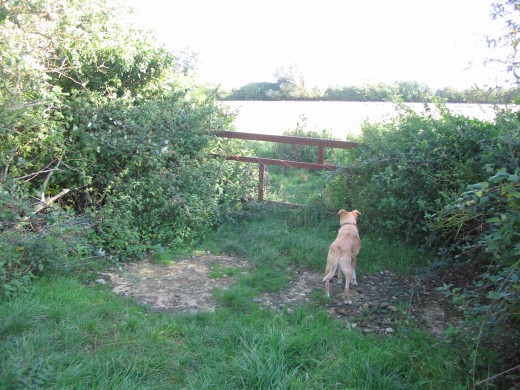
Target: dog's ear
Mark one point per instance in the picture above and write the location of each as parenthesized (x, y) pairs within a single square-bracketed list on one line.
[(342, 211), (356, 212)]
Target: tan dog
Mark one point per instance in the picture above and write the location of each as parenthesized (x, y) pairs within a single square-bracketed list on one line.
[(343, 252)]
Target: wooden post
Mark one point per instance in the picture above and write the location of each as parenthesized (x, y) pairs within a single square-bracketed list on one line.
[(261, 181), (320, 154)]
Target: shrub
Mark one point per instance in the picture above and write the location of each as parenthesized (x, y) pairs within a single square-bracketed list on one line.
[(414, 165), (148, 172), (453, 183), (481, 229), (97, 108), (52, 242)]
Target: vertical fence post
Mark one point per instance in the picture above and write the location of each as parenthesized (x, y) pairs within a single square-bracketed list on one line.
[(320, 154), (261, 181)]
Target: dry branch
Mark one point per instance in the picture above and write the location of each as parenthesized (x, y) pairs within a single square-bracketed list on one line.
[(49, 201)]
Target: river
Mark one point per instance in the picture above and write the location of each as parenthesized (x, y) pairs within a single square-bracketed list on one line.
[(342, 119)]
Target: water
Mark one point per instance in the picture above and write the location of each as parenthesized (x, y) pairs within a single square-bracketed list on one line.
[(343, 119)]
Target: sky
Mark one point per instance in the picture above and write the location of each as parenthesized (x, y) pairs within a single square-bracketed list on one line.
[(332, 42)]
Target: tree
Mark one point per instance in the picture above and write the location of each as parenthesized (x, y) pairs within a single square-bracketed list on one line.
[(413, 91), (508, 11), (253, 91), (291, 85)]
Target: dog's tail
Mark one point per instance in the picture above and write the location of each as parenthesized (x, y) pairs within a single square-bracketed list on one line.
[(334, 266)]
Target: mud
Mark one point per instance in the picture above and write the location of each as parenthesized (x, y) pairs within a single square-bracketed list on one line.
[(378, 302)]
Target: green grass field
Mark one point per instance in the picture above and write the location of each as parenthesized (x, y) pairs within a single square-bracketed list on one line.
[(65, 334)]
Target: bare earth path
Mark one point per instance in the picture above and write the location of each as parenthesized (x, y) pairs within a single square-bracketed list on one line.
[(188, 285)]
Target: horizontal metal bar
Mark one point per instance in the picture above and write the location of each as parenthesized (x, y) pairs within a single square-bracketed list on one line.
[(289, 139), (283, 163)]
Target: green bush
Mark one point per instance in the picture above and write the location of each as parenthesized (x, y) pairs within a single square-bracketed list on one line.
[(98, 108), (452, 183), (53, 242), (414, 165), (148, 172), (481, 230)]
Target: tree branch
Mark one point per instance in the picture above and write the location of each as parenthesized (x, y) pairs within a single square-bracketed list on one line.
[(50, 201), (41, 206), (46, 181)]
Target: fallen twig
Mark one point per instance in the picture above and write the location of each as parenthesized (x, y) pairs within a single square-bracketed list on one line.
[(496, 376)]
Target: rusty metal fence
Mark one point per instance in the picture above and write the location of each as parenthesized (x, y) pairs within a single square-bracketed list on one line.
[(321, 144)]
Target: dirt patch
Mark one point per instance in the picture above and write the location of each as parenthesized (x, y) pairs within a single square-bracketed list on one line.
[(184, 286), (379, 301)]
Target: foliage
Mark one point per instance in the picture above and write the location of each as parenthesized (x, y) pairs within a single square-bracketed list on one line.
[(482, 230), (149, 168), (291, 85), (89, 104), (407, 91), (508, 12), (302, 152), (413, 165), (253, 91), (56, 243), (452, 182)]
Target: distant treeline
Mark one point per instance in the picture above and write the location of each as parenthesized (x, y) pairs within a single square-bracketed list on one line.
[(407, 91)]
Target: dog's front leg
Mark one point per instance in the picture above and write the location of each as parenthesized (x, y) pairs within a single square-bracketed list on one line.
[(354, 276), (339, 275)]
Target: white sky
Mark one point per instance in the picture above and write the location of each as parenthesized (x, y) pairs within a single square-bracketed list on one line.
[(332, 42)]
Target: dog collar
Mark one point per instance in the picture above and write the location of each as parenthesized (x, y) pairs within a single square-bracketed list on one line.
[(348, 223)]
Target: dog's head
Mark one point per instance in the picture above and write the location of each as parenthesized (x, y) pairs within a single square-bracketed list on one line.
[(348, 217)]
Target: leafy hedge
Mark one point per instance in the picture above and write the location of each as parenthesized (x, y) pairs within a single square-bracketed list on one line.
[(149, 170), (414, 165), (453, 183), (91, 105)]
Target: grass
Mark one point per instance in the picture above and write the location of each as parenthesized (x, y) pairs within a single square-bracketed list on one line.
[(219, 271), (65, 334), (273, 237)]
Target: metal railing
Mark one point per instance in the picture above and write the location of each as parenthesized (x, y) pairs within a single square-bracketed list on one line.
[(321, 144)]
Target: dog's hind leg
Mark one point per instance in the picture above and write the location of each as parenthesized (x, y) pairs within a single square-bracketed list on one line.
[(332, 265), (346, 268)]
